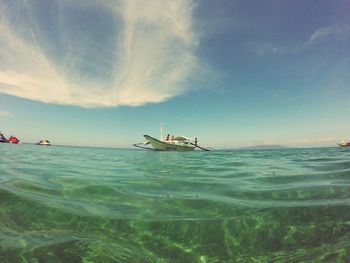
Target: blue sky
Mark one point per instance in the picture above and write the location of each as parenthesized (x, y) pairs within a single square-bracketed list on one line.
[(232, 73)]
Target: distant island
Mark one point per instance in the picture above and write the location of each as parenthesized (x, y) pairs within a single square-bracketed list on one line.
[(265, 147)]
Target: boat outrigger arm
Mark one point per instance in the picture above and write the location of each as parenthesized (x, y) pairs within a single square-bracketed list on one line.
[(200, 147), (142, 145)]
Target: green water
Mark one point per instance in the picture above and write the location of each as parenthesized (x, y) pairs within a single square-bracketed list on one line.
[(70, 204)]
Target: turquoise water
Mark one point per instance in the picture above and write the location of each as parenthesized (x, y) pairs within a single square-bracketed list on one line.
[(71, 204)]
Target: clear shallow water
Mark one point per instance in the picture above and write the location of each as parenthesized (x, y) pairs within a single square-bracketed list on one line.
[(71, 204)]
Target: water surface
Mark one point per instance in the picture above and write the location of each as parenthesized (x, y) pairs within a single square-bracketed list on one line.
[(73, 204)]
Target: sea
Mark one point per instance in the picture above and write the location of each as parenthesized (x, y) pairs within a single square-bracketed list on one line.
[(76, 204)]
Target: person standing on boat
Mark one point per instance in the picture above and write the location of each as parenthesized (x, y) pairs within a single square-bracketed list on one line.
[(195, 141), (167, 137)]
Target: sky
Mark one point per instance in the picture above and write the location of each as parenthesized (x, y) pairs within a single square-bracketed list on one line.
[(233, 73)]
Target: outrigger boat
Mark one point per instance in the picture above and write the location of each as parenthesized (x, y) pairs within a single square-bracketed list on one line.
[(171, 143), (344, 144)]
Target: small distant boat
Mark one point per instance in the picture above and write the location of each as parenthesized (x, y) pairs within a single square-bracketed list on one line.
[(344, 144), (13, 139), (2, 138), (171, 143), (44, 142)]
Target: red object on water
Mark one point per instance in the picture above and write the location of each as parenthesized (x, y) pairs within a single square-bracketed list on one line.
[(14, 140)]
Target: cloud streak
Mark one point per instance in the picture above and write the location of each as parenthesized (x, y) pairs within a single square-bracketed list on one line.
[(317, 36), (99, 54)]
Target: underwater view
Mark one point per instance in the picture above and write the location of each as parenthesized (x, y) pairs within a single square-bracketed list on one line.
[(74, 204)]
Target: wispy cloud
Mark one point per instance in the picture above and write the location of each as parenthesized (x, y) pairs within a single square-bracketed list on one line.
[(319, 34), (116, 53), (4, 113), (267, 48)]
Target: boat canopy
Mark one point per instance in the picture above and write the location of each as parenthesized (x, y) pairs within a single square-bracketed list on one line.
[(182, 139)]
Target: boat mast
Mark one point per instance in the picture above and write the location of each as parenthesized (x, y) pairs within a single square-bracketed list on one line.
[(161, 131)]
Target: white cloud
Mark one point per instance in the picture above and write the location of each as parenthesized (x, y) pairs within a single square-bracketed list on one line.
[(146, 55)]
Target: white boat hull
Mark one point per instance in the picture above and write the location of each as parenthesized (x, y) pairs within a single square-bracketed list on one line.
[(344, 144), (44, 142), (168, 146)]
